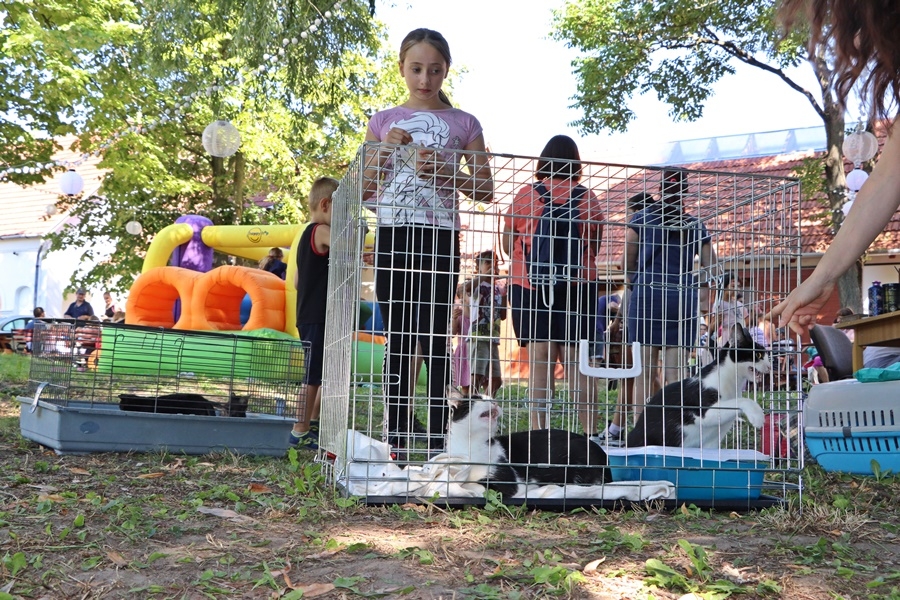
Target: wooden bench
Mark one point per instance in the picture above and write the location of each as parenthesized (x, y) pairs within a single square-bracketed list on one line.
[(22, 340)]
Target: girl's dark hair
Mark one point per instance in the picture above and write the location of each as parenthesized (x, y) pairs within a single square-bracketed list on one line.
[(437, 41), (865, 44), (560, 159)]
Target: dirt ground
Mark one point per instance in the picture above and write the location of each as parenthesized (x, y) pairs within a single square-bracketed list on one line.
[(223, 526)]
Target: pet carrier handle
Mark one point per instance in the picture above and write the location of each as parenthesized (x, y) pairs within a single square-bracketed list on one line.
[(37, 394), (586, 369)]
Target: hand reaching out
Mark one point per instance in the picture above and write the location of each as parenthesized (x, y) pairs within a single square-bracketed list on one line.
[(802, 306)]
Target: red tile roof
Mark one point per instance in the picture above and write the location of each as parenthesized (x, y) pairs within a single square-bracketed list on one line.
[(816, 221), (23, 209)]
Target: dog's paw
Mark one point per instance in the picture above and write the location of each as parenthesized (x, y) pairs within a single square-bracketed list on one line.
[(754, 414)]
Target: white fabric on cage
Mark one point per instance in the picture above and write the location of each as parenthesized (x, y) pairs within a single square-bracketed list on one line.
[(370, 472)]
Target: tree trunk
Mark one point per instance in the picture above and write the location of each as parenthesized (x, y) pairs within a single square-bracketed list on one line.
[(240, 168), (849, 290)]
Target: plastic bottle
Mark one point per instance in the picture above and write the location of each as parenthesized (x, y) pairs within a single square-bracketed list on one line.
[(891, 297), (876, 299)]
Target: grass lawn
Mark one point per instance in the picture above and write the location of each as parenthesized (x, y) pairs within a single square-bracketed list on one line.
[(161, 525)]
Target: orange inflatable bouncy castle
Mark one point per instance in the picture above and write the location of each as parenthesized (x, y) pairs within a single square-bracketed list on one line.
[(216, 304), (190, 242), (209, 301), (152, 299)]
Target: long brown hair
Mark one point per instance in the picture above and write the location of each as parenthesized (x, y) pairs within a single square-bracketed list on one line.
[(865, 44), (437, 41)]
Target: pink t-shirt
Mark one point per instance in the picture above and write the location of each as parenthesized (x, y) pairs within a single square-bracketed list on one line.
[(405, 199), (524, 213)]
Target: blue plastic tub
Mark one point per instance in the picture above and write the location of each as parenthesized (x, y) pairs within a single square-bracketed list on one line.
[(698, 475)]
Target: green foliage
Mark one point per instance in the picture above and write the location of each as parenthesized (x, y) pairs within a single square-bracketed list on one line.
[(675, 49), (811, 173), (138, 82)]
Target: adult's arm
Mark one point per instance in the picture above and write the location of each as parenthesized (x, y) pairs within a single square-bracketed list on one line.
[(873, 208), (595, 219), (632, 245), (707, 258), (509, 238)]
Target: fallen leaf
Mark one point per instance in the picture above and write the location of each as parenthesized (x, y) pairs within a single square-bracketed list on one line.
[(283, 571), (315, 589), (117, 558), (733, 574), (50, 497), (591, 567), (258, 488), (79, 471), (325, 554), (684, 510), (225, 513), (151, 475), (734, 515), (43, 488)]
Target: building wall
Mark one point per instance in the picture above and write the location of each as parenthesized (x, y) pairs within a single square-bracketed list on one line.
[(18, 263)]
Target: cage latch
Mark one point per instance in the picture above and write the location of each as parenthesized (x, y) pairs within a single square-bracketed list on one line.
[(584, 355)]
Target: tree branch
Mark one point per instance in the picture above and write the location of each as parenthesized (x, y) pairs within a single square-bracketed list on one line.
[(747, 58)]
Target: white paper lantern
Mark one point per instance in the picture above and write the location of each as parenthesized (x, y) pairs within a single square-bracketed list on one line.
[(134, 227), (71, 183), (221, 138), (846, 207), (50, 209), (860, 146), (856, 178)]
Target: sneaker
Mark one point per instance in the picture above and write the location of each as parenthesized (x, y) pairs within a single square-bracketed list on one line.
[(608, 440), (304, 441)]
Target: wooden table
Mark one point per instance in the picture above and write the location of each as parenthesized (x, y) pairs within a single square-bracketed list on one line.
[(881, 330)]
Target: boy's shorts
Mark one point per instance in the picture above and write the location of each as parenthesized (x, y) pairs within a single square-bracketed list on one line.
[(314, 335), (486, 359)]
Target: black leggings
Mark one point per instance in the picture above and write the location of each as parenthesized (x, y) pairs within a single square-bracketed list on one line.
[(416, 270)]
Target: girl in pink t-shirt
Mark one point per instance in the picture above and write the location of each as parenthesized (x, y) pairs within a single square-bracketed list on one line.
[(414, 177)]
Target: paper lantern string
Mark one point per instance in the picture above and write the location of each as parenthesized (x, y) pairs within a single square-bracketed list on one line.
[(181, 104)]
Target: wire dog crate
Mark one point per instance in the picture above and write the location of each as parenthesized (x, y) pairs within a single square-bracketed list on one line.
[(739, 244), (97, 386)]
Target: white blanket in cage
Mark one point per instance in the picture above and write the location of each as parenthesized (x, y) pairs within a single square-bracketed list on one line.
[(370, 472)]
